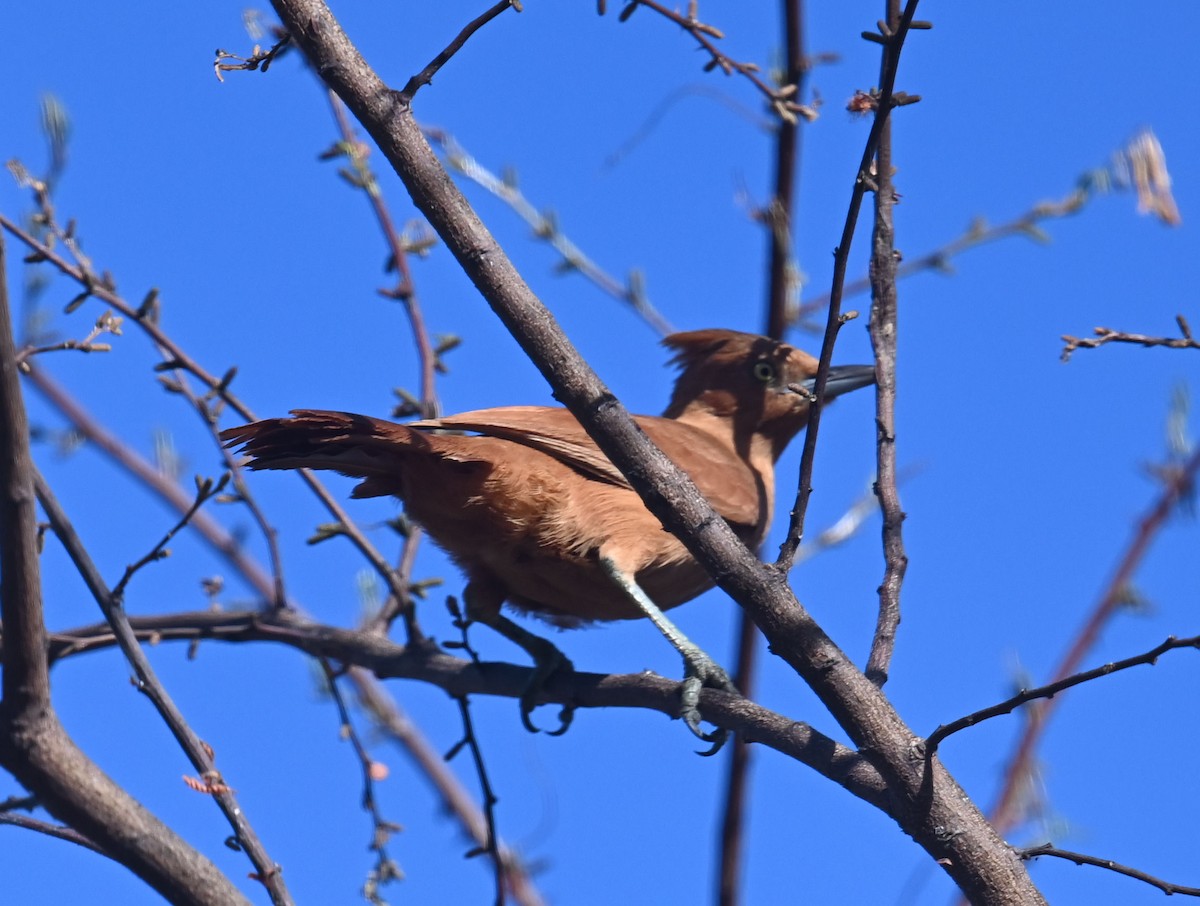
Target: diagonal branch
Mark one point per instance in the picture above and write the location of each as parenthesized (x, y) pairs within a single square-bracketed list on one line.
[(1049, 849), (371, 694), (1052, 689), (974, 856), (1005, 812), (34, 747), (197, 751), (425, 76)]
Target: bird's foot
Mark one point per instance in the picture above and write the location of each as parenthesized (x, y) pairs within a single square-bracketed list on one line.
[(548, 660), (700, 670)]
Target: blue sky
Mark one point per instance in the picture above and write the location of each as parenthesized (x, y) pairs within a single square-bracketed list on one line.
[(1030, 473)]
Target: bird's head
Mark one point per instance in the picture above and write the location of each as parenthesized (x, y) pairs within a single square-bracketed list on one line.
[(762, 385)]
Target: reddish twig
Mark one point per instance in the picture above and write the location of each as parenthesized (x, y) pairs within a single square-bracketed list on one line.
[(1178, 486)]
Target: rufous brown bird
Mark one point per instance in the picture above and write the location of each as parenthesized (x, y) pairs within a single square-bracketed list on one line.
[(535, 514)]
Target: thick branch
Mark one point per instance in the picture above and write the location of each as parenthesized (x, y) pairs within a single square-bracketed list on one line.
[(459, 677), (927, 803)]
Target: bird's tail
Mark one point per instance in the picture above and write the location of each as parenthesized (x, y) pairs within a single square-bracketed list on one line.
[(358, 446)]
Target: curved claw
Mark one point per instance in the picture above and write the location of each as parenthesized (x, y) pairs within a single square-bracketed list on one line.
[(699, 671), (549, 660)]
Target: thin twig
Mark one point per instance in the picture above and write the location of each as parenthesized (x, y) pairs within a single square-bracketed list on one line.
[(259, 59), (491, 844), (1004, 814), (1051, 689), (404, 292), (389, 717), (1108, 335), (197, 751), (1139, 165), (862, 181), (206, 489), (545, 226), (82, 274), (425, 76), (781, 99), (883, 330), (405, 289), (52, 830), (1049, 849)]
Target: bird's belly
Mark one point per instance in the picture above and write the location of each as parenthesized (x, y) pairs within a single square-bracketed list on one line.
[(573, 591)]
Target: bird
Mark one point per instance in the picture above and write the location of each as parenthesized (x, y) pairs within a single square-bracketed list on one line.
[(538, 518)]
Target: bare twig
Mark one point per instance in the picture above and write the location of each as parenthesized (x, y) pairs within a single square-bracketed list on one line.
[(387, 714), (491, 843), (894, 44), (883, 330), (51, 830), (545, 226), (1139, 166), (34, 747), (1049, 849), (781, 99), (1051, 689), (106, 323), (398, 249), (178, 358), (459, 676), (1108, 335), (197, 751), (205, 491), (1178, 484), (425, 76)]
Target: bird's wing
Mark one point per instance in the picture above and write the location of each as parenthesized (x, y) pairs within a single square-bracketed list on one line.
[(731, 486)]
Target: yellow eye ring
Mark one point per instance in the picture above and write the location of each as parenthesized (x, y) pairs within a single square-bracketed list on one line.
[(764, 371)]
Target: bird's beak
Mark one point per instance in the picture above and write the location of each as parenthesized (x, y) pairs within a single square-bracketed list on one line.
[(843, 379)]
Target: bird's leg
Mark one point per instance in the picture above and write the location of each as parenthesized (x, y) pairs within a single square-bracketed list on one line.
[(700, 669), (547, 659)]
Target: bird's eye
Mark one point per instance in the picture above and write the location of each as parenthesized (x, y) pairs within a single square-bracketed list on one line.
[(764, 371)]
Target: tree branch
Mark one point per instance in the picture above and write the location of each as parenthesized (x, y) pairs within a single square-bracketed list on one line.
[(883, 330), (974, 856), (459, 677), (34, 747), (198, 752)]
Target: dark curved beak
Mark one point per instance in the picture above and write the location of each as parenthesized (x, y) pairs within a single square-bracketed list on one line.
[(843, 379)]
